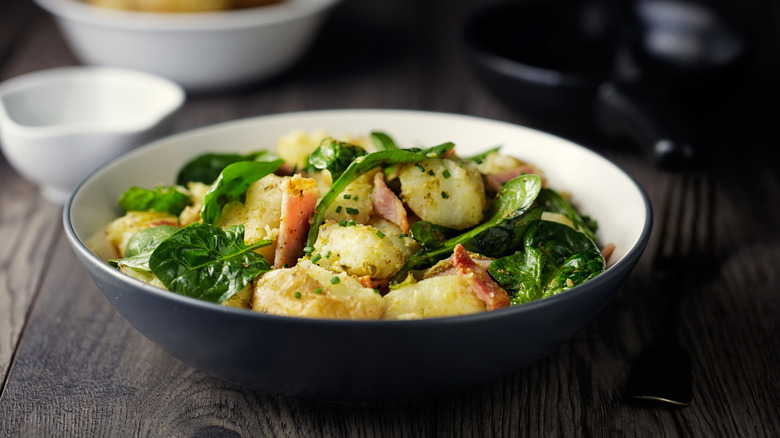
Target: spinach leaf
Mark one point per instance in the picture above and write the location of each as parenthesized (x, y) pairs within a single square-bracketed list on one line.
[(430, 235), (205, 262), (141, 245), (501, 233), (232, 184), (160, 199), (554, 202), (206, 168), (360, 166), (555, 257), (383, 142), (335, 156), (479, 158)]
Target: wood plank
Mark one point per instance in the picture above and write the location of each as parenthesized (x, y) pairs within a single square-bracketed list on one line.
[(28, 226)]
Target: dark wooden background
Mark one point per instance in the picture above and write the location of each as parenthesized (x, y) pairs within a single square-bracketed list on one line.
[(71, 366)]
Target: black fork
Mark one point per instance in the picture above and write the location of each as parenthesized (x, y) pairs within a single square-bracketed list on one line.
[(684, 258)]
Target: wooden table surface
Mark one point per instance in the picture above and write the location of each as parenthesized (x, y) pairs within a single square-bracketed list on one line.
[(71, 366)]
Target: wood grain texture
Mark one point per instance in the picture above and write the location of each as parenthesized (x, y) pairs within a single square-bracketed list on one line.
[(27, 232), (74, 367)]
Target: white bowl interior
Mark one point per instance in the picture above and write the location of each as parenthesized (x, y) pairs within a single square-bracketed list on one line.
[(88, 99), (599, 188)]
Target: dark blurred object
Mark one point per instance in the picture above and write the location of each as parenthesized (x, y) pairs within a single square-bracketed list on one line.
[(684, 40), (593, 70), (545, 58), (644, 114)]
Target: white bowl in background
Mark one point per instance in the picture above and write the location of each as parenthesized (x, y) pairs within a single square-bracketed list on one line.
[(202, 51), (58, 125)]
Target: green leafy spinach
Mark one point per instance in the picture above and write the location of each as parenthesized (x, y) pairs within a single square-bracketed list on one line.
[(205, 262), (161, 199), (206, 168), (141, 245), (554, 202), (555, 257), (232, 184), (335, 156), (383, 141)]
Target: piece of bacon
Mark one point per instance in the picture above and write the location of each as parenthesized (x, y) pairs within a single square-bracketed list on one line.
[(445, 267), (497, 180), (299, 197), (170, 222), (486, 289), (387, 204), (607, 251)]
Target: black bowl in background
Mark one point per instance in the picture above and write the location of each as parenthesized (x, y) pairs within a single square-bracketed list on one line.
[(545, 59), (649, 74)]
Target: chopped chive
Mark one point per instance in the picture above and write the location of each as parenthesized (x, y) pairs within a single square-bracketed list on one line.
[(338, 209), (327, 256), (431, 173), (402, 235), (347, 196), (351, 224), (377, 291), (422, 169), (308, 249), (446, 174), (355, 198), (342, 223), (297, 295), (316, 258), (380, 234), (335, 280), (352, 211), (445, 195), (318, 291)]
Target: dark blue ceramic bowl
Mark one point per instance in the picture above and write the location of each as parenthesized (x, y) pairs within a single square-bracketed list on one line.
[(369, 360)]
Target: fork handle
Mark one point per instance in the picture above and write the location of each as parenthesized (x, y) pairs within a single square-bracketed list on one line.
[(668, 332)]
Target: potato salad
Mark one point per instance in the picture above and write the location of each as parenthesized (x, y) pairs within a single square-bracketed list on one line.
[(356, 228)]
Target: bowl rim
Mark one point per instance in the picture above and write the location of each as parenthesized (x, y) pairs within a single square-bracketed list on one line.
[(175, 22), (629, 259)]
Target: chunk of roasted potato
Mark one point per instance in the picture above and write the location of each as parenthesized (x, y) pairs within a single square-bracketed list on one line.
[(359, 250), (260, 213), (444, 192), (308, 290), (446, 295)]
